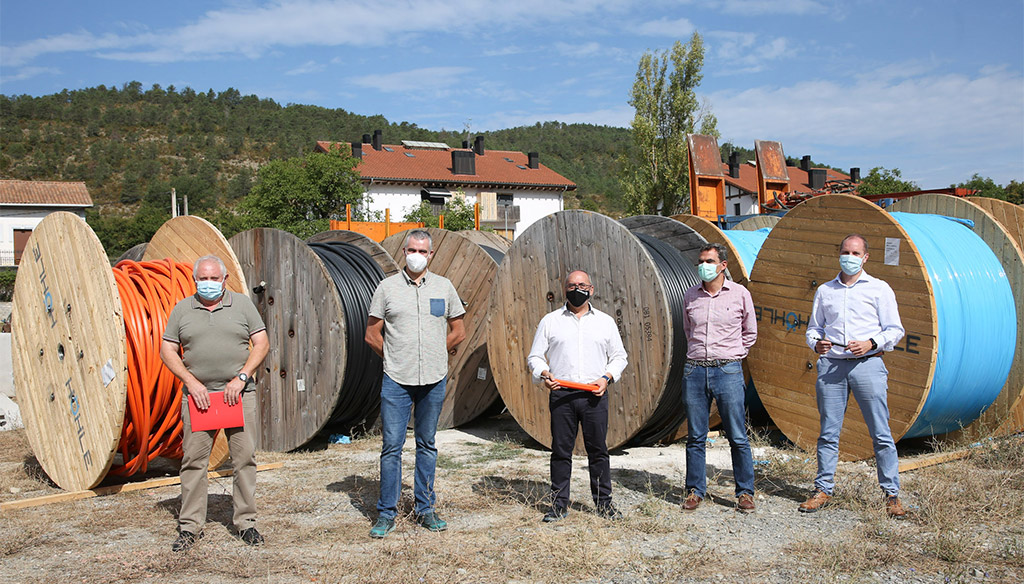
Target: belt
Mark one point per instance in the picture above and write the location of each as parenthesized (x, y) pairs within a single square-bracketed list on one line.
[(710, 362), (864, 358)]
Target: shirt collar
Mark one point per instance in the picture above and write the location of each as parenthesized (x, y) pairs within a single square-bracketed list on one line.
[(864, 277), (590, 309), (726, 285), (423, 278)]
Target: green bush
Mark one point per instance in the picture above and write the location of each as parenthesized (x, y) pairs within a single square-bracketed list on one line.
[(7, 276)]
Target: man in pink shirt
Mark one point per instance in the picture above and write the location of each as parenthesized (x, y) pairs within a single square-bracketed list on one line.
[(720, 329)]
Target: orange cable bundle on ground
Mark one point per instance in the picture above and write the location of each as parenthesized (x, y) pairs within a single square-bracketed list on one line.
[(152, 428)]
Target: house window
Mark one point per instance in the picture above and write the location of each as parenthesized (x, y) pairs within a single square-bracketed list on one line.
[(504, 199), (20, 241), (437, 198), (736, 209)]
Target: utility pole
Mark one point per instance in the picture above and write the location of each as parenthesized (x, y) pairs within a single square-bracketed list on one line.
[(174, 203), (186, 204)]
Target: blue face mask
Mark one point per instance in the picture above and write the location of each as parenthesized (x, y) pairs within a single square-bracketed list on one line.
[(850, 264), (707, 272), (209, 290)]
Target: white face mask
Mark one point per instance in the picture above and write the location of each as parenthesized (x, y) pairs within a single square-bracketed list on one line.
[(417, 262), (850, 264)]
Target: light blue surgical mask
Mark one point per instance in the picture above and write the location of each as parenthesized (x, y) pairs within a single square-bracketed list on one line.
[(707, 272), (209, 289), (850, 264)]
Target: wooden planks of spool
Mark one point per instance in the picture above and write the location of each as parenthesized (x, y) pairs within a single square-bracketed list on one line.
[(469, 259), (69, 348), (530, 283), (303, 375), (800, 254), (1001, 417), (736, 271), (757, 222)]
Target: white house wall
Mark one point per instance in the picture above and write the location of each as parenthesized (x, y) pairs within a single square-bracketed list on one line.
[(400, 199), (747, 201), (12, 218)]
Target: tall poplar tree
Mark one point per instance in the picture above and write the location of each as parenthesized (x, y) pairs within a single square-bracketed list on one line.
[(655, 175)]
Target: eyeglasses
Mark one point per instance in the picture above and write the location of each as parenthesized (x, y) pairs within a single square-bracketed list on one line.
[(583, 287)]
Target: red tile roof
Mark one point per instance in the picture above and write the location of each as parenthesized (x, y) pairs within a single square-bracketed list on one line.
[(435, 166), (44, 193), (798, 178)]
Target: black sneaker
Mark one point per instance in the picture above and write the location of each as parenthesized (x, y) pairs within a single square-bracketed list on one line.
[(185, 541), (609, 512), (382, 528), (251, 537), (432, 521), (556, 514)]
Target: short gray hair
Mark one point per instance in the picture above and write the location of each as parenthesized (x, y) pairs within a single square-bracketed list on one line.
[(723, 255), (209, 258), (419, 235)]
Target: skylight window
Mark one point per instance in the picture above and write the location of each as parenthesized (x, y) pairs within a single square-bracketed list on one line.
[(410, 155), (389, 149)]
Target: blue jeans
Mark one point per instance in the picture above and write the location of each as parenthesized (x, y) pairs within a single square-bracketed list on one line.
[(726, 386), (397, 402), (868, 380)]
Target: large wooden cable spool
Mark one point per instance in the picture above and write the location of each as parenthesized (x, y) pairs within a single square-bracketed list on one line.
[(627, 286), (802, 253), (301, 378), (737, 271), (185, 239), (1008, 251), (1011, 217), (69, 348), (757, 222), (469, 259), (668, 422)]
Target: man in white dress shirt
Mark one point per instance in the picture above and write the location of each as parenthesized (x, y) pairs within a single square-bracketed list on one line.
[(853, 321), (581, 344)]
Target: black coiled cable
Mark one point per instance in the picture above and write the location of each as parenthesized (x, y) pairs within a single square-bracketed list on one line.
[(678, 275), (356, 276)]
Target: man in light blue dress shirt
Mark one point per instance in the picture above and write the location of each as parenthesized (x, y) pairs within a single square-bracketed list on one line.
[(853, 321)]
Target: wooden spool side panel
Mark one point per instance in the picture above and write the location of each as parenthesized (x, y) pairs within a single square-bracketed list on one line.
[(300, 381), (187, 238), (68, 350), (739, 272), (801, 253), (470, 387), (379, 255), (1008, 251), (530, 284), (488, 238), (758, 222)]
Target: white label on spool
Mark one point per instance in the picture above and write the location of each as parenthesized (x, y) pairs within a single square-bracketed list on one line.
[(892, 251), (107, 372), (481, 373), (300, 385)]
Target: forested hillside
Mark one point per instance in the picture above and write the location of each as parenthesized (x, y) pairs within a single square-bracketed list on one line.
[(132, 145)]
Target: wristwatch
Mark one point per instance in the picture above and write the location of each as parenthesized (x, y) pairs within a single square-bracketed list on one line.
[(606, 378), (874, 345), (244, 378)]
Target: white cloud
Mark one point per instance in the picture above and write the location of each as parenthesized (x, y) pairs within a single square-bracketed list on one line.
[(433, 79), (578, 50), (743, 52), (945, 118), (761, 7), (678, 28), (28, 73), (306, 68)]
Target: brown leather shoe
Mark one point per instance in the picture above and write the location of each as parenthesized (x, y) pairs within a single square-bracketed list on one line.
[(745, 503), (819, 500), (894, 508), (692, 501)]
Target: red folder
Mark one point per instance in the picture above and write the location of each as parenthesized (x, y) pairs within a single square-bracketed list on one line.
[(574, 385), (219, 416)]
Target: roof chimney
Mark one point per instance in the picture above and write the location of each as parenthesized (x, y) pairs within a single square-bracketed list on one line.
[(366, 138), (478, 146), (378, 139), (534, 160), (734, 164), (855, 174), (465, 144), (463, 162), (816, 178), (357, 150), (805, 163)]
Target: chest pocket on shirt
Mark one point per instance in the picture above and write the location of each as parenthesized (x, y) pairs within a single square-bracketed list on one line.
[(437, 307)]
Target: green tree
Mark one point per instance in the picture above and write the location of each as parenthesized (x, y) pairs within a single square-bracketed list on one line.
[(986, 187), (300, 195), (458, 215), (655, 173), (1015, 192), (881, 181)]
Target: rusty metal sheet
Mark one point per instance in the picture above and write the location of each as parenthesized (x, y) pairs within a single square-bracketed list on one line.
[(770, 160), (705, 158)]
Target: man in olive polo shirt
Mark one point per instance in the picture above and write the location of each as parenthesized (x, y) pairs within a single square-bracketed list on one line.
[(206, 344), (415, 321)]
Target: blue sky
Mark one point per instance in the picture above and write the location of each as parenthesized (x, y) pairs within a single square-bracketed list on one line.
[(934, 88)]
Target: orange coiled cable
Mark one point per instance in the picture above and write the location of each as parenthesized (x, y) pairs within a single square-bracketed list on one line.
[(152, 421)]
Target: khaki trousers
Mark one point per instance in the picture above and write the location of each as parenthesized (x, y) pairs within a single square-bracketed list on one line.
[(196, 448)]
